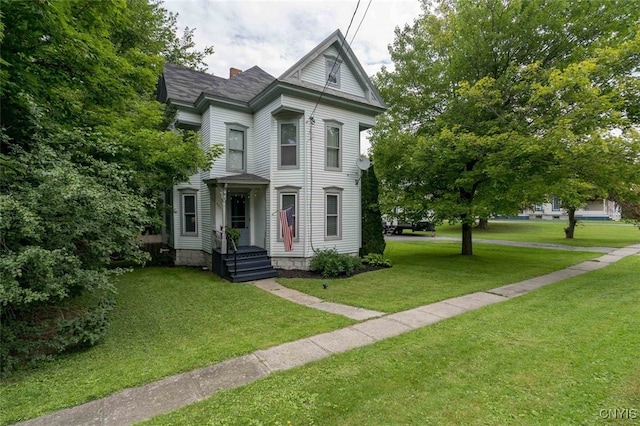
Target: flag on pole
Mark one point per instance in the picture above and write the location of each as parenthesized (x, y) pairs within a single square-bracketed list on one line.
[(286, 224)]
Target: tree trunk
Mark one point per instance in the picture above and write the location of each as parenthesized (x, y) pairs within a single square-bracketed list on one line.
[(568, 231), (483, 223), (467, 243)]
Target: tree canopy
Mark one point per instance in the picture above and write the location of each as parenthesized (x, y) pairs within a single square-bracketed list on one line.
[(84, 154), (495, 105)]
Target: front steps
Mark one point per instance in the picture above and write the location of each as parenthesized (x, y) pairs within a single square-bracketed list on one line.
[(251, 264)]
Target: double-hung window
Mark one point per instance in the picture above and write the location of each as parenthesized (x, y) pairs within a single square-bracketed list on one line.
[(333, 145), (333, 213), (236, 147), (189, 214), (288, 198), (288, 144)]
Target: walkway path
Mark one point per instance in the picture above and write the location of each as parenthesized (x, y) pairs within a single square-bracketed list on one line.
[(295, 296), (137, 404)]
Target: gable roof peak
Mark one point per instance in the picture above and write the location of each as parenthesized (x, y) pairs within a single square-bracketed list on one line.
[(294, 74)]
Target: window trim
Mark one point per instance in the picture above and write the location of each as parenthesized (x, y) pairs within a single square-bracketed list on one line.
[(296, 123), (338, 125), (333, 191), (188, 193), (556, 204), (295, 191), (329, 62), (239, 128)]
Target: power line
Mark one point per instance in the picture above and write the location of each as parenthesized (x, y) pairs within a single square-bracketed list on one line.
[(337, 56), (357, 29)]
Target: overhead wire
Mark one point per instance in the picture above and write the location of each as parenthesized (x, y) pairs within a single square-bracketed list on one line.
[(362, 20), (311, 117), (337, 56)]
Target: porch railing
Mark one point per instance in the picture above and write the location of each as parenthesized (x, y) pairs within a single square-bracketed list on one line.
[(218, 238), (235, 256), (220, 242)]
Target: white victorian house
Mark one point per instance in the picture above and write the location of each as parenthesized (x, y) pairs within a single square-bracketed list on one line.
[(291, 142)]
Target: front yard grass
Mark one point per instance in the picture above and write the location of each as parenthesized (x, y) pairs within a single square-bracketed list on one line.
[(588, 233), (564, 354), (426, 272), (168, 320)]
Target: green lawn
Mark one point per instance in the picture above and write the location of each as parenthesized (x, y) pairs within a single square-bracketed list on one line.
[(426, 272), (564, 354), (168, 320), (588, 233)]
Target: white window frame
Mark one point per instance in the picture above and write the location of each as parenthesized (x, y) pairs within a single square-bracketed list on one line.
[(237, 127), (336, 125), (295, 191), (333, 191), (183, 213), (330, 63), (556, 204), (296, 123)]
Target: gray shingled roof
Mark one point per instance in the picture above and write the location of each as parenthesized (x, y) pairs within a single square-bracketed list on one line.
[(184, 84)]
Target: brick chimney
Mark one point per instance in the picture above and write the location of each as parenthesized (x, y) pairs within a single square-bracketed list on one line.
[(233, 72)]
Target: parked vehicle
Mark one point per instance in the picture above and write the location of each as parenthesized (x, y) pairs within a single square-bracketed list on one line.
[(399, 228)]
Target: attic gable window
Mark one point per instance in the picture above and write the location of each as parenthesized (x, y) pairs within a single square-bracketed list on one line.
[(332, 70)]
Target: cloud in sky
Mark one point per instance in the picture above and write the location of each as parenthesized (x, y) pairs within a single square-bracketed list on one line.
[(275, 34)]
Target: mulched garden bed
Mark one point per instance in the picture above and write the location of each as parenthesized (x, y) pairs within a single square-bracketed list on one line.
[(298, 273)]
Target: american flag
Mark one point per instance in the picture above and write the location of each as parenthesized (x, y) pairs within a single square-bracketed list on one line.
[(286, 223)]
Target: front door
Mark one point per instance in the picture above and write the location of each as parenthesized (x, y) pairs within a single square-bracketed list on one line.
[(238, 216)]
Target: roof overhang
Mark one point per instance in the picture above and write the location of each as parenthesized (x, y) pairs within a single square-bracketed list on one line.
[(275, 89), (242, 179), (279, 87)]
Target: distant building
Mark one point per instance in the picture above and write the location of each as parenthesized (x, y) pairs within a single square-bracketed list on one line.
[(594, 210)]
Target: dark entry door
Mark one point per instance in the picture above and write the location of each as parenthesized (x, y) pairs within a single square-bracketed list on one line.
[(238, 216)]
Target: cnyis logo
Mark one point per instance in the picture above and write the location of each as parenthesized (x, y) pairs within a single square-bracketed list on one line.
[(618, 413)]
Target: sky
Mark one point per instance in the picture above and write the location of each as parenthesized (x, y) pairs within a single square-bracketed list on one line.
[(275, 34)]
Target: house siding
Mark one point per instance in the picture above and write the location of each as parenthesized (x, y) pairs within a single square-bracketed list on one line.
[(287, 178), (262, 154), (218, 117), (261, 147), (191, 118), (204, 195), (313, 159), (315, 71)]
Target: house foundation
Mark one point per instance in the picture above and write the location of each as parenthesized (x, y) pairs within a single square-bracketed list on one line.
[(192, 258)]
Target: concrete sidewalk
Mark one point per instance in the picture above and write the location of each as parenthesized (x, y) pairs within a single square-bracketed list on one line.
[(410, 237), (137, 404)]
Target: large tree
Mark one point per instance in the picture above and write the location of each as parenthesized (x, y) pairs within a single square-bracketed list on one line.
[(84, 153), (478, 118)]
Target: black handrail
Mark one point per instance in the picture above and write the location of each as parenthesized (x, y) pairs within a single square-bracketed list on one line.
[(235, 256)]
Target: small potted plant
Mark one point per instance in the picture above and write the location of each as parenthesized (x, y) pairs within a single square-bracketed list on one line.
[(232, 235)]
